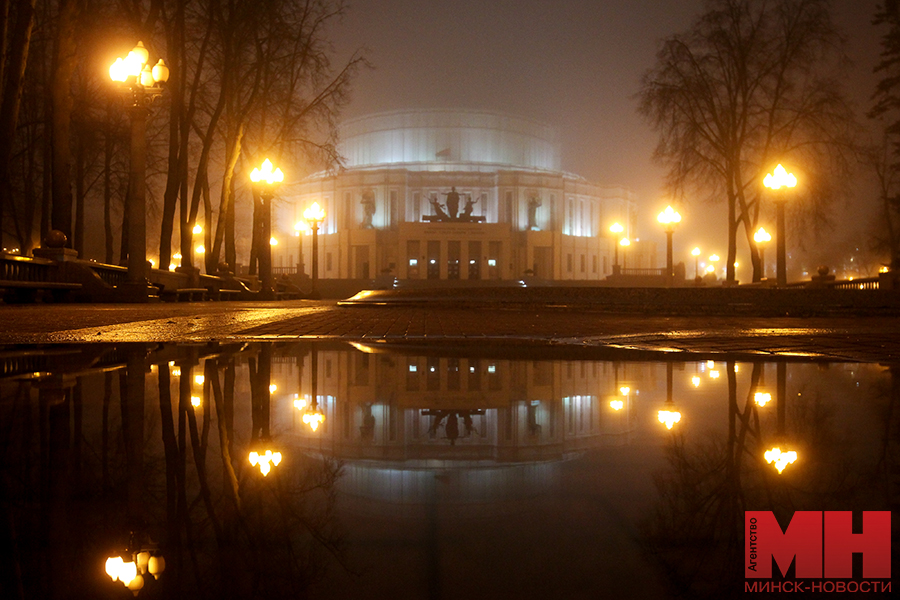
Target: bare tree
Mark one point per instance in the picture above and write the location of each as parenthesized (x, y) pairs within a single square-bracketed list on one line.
[(885, 158), (752, 83)]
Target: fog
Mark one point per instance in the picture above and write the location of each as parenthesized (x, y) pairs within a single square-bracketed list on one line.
[(577, 65)]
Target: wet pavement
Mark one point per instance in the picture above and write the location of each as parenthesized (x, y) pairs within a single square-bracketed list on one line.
[(866, 339)]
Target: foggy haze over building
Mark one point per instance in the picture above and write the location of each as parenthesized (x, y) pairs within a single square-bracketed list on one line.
[(576, 65)]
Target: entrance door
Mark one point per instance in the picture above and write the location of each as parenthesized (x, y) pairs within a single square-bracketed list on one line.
[(361, 260), (453, 250), (434, 259)]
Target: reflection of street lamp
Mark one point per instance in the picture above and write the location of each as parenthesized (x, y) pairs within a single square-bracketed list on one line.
[(265, 458), (616, 229), (144, 84), (762, 237), (777, 180), (696, 254), (312, 415), (267, 179), (314, 215), (668, 415), (669, 218), (776, 455), (143, 558)]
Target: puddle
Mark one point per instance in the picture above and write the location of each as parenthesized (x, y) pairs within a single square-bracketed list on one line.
[(418, 474)]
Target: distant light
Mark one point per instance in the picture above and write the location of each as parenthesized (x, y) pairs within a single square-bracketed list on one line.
[(200, 249), (492, 369), (273, 388), (695, 381), (624, 390), (198, 229), (779, 178), (491, 262), (195, 401), (779, 458), (668, 417), (273, 242), (413, 368), (199, 379), (177, 256), (713, 374), (616, 228), (413, 262), (762, 398), (617, 404), (695, 252)]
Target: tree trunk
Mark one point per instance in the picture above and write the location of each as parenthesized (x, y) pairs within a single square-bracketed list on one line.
[(61, 99)]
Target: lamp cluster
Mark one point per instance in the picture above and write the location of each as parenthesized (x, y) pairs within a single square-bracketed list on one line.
[(266, 460), (131, 572), (135, 70)]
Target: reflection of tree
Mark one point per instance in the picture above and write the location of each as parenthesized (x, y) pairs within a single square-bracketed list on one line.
[(76, 477), (696, 533)]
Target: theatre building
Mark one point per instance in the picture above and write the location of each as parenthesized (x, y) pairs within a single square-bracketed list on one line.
[(456, 195)]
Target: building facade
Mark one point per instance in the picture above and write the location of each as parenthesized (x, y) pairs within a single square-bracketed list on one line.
[(456, 195)]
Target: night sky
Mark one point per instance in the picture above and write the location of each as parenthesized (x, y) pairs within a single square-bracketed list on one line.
[(575, 64)]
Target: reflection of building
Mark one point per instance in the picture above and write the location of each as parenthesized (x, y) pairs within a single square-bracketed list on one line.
[(407, 409), (453, 195)]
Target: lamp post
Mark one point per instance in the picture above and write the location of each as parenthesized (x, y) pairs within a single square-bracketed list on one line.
[(314, 215), (616, 229), (142, 85), (696, 254), (267, 179), (300, 227), (669, 218), (777, 180), (624, 242), (762, 237)]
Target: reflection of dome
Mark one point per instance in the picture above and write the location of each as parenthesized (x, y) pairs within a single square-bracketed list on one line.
[(436, 139)]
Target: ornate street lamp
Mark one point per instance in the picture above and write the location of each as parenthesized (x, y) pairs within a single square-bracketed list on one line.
[(777, 180), (762, 237), (143, 85), (267, 181), (314, 215), (669, 218)]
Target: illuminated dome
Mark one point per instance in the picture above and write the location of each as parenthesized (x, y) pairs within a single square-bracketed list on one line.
[(446, 140)]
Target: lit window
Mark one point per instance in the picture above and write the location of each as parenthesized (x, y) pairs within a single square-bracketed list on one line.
[(492, 369), (492, 262), (412, 368), (413, 262)]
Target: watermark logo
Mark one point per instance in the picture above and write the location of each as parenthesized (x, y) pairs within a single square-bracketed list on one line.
[(820, 544)]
